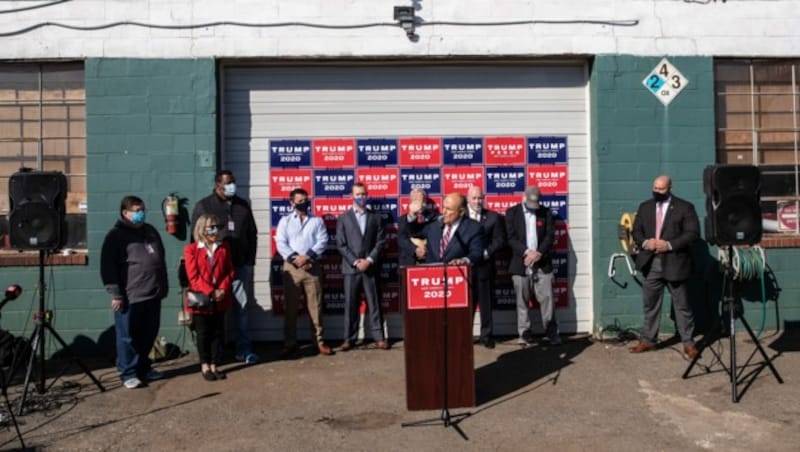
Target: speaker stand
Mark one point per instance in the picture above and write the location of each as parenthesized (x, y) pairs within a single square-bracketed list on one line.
[(732, 304), (37, 358)]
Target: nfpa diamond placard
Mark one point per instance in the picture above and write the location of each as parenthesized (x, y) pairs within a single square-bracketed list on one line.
[(665, 82)]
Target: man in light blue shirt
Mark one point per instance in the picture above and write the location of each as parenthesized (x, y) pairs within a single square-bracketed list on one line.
[(301, 238)]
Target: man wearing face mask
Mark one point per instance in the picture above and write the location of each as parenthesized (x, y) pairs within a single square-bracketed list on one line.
[(239, 229), (665, 228), (134, 273), (360, 240), (531, 234), (301, 239)]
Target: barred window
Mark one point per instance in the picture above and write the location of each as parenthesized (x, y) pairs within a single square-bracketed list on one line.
[(758, 123), (43, 127)]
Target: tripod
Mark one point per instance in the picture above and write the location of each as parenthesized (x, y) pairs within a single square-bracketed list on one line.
[(731, 306), (37, 357), (12, 293), (445, 417)]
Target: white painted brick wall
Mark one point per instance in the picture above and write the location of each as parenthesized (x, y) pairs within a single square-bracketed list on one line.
[(666, 27)]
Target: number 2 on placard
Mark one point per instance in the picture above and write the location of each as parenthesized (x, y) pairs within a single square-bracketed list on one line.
[(654, 82)]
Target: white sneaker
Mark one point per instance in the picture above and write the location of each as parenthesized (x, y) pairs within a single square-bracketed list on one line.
[(132, 383), (521, 341), (153, 375)]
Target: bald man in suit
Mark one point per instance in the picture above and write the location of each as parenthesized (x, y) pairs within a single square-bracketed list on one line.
[(457, 239), (664, 229)]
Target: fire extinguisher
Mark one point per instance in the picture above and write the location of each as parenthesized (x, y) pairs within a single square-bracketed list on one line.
[(171, 209)]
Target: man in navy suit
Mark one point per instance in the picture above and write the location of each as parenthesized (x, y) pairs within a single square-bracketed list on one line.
[(664, 229), (531, 234), (456, 240), (410, 227), (494, 240), (360, 240)]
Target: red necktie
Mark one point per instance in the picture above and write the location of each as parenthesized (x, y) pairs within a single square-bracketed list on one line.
[(445, 241), (659, 219)]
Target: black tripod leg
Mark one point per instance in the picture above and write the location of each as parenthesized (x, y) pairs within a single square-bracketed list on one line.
[(732, 338), (10, 409), (767, 360), (35, 338), (75, 358)]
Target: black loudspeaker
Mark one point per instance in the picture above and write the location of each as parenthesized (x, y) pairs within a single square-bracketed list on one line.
[(733, 210), (37, 218)]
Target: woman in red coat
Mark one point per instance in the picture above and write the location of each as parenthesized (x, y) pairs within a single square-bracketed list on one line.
[(210, 271)]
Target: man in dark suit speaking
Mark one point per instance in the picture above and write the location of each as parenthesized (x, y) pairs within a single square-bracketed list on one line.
[(360, 240), (664, 229), (456, 240)]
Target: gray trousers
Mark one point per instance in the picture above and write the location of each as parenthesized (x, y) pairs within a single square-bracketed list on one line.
[(653, 296), (353, 283), (541, 285)]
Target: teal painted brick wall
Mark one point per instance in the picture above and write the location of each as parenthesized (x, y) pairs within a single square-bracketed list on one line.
[(635, 138), (146, 120)]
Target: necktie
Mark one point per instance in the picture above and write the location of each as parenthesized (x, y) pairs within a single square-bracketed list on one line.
[(445, 241), (659, 219)]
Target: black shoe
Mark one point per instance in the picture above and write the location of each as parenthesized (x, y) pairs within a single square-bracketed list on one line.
[(219, 375), (288, 352), (209, 376), (488, 342), (527, 336)]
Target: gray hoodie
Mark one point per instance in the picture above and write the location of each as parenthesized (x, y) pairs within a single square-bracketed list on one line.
[(132, 264)]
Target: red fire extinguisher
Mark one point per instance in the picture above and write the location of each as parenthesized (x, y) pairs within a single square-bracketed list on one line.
[(171, 208)]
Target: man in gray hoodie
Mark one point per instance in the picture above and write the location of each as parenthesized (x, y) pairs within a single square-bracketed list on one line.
[(134, 273)]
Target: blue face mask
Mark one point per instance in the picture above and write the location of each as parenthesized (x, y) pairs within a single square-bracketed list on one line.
[(360, 201), (230, 190), (138, 217), (212, 231)]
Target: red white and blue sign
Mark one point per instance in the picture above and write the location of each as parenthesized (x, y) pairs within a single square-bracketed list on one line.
[(377, 151), (334, 152), (333, 182), (283, 181), (551, 179), (557, 204), (463, 150), (460, 179), (380, 182), (421, 151), (290, 153), (505, 179), (547, 150), (505, 150), (428, 179)]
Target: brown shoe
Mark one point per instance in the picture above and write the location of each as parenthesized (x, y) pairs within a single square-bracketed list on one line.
[(346, 346), (383, 345), (691, 351), (324, 349), (642, 347)]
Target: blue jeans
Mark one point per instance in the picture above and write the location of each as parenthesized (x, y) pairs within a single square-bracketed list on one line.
[(242, 294), (136, 327)]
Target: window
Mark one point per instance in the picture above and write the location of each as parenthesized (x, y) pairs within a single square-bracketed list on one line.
[(43, 127), (758, 123)]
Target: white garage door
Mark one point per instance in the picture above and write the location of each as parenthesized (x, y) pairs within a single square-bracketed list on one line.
[(262, 103)]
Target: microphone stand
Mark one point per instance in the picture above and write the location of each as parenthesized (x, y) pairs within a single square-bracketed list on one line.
[(5, 380)]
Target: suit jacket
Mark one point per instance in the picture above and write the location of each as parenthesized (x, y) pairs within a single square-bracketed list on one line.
[(518, 236), (494, 238), (680, 227), (466, 241), (353, 245), (202, 279), (406, 230)]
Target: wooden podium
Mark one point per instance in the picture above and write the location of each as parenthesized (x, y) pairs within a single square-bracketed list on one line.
[(433, 331)]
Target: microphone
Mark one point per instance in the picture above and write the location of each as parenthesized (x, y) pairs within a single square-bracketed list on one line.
[(13, 292)]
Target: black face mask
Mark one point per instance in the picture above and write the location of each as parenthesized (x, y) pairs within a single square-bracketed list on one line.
[(660, 197), (302, 207)]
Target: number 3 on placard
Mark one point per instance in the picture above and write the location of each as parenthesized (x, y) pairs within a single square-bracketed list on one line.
[(676, 81)]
